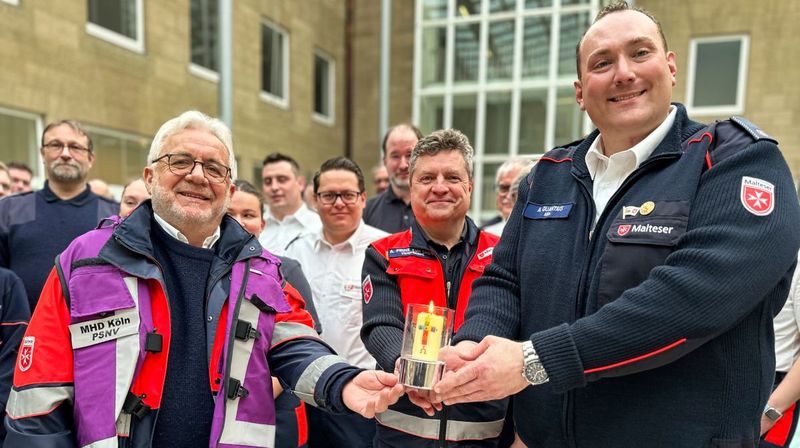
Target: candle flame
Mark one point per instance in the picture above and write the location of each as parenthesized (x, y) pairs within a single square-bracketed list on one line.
[(430, 307)]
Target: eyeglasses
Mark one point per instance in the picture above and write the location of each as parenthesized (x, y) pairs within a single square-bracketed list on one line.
[(183, 164), (502, 188), (330, 197), (74, 148)]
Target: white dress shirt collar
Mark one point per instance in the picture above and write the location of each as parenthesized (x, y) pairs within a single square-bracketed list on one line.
[(208, 243)]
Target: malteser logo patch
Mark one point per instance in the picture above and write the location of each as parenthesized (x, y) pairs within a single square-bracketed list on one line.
[(366, 289), (26, 353), (757, 196), (625, 229), (485, 253)]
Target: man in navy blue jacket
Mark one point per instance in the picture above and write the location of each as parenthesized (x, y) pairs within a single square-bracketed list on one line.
[(641, 267)]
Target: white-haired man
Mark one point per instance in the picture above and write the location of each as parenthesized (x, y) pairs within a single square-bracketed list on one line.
[(164, 329), (508, 172)]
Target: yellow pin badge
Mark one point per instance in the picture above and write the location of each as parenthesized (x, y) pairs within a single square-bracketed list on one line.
[(647, 208)]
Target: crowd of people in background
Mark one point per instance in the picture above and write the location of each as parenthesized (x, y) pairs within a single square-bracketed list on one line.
[(623, 295)]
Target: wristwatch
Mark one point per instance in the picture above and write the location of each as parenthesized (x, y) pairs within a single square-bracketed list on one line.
[(532, 369), (772, 413)]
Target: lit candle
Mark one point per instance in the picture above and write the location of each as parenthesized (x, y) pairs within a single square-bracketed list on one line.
[(427, 335)]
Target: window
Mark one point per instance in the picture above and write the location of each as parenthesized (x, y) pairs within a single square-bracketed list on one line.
[(324, 87), (501, 71), (11, 2), (120, 156), (204, 16), (120, 22), (19, 138), (274, 65), (717, 75)]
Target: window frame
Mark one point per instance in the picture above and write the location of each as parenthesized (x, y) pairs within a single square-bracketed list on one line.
[(38, 177), (194, 68), (741, 86), (551, 83), (282, 102), (331, 117), (135, 45)]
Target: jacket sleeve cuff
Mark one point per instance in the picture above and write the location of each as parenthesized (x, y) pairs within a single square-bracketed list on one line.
[(559, 356)]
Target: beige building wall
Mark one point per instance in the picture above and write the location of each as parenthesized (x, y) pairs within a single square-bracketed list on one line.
[(772, 98), (53, 68), (366, 141)]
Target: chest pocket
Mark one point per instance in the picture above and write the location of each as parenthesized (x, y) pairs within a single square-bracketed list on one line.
[(636, 243), (417, 280)]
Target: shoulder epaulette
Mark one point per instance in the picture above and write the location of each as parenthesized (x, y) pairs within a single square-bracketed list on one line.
[(751, 129), (731, 136)]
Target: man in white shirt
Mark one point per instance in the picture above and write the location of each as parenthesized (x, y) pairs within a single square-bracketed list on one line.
[(332, 260), (288, 217)]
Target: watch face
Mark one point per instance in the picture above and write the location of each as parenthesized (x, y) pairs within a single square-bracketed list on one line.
[(535, 374)]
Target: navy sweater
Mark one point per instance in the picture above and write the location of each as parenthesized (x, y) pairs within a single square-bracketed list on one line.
[(187, 406), (37, 226)]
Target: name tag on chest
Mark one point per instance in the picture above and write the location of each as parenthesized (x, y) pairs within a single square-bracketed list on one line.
[(107, 328), (547, 211)]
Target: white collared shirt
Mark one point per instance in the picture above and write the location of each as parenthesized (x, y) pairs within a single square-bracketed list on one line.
[(278, 234), (787, 328), (334, 273), (208, 243), (608, 173)]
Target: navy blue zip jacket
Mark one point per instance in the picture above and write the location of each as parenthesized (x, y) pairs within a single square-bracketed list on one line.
[(655, 325)]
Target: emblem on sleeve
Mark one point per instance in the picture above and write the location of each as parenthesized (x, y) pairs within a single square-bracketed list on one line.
[(623, 229), (366, 289), (26, 353), (757, 196)]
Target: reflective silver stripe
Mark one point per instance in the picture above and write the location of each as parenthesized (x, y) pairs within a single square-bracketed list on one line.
[(235, 432), (285, 331), (308, 380), (429, 428), (110, 442), (37, 400), (127, 353)]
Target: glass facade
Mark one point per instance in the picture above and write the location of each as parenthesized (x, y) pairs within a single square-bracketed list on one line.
[(502, 72)]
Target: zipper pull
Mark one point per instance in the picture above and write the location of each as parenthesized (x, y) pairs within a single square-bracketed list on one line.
[(448, 291)]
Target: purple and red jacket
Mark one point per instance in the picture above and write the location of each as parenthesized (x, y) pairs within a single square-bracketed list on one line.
[(92, 364)]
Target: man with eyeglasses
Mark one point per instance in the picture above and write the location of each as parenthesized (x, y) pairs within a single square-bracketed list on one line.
[(36, 226), (332, 262), (506, 175), (164, 329)]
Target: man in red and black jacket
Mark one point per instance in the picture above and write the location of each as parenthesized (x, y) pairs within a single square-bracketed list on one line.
[(436, 260)]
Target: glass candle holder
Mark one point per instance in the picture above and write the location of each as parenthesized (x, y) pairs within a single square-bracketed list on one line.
[(427, 329)]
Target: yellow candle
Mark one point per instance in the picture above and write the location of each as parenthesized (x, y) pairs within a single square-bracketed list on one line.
[(427, 335)]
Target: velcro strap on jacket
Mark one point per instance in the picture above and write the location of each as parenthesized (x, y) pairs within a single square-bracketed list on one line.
[(153, 342), (245, 331), (134, 404), (235, 389), (261, 305)]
